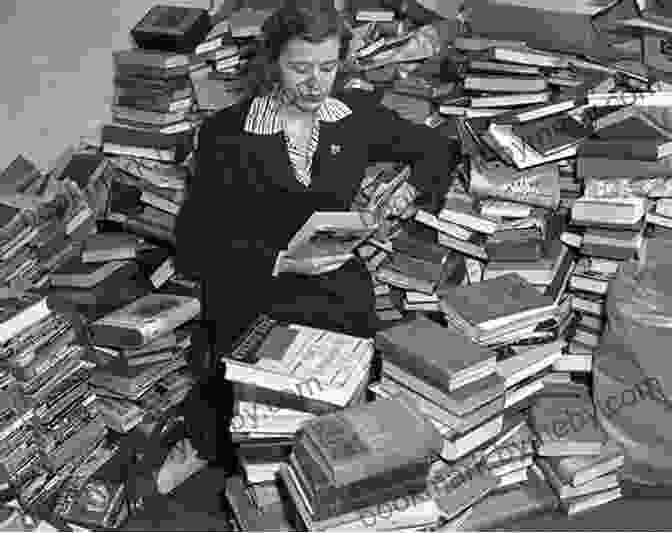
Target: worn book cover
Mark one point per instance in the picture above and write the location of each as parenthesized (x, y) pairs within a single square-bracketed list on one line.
[(144, 320), (366, 440), (434, 353), (490, 304)]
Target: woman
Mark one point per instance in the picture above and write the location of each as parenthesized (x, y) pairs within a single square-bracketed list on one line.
[(264, 166)]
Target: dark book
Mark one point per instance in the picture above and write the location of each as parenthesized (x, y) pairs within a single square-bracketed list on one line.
[(609, 167), (435, 354), (76, 273), (180, 143), (20, 173), (172, 28), (150, 86), (84, 168), (551, 134), (634, 148)]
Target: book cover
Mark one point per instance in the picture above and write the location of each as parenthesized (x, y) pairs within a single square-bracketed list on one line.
[(92, 502), (112, 246), (432, 352), (172, 28), (366, 440), (144, 320), (485, 305)]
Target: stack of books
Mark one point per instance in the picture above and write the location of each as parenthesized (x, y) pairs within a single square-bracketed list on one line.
[(285, 375), (343, 465), (574, 453)]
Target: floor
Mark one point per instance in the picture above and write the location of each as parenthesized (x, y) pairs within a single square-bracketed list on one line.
[(196, 506)]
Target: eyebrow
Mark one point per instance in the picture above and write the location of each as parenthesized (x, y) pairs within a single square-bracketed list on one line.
[(306, 62)]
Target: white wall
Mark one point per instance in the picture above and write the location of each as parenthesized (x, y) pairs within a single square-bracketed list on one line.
[(56, 58)]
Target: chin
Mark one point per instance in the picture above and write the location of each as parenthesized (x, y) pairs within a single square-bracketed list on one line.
[(308, 106)]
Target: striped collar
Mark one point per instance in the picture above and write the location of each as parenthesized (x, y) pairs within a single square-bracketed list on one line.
[(263, 117)]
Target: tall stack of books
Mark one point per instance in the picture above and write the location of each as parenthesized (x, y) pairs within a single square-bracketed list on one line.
[(153, 100)]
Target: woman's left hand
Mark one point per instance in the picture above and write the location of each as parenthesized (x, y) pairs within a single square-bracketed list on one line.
[(401, 202)]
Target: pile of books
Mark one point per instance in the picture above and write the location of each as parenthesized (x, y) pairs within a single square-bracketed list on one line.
[(564, 177)]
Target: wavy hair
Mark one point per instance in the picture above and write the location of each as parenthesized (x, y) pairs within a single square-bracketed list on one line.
[(313, 23)]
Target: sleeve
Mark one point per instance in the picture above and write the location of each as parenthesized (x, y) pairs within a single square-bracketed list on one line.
[(431, 155), (215, 202)]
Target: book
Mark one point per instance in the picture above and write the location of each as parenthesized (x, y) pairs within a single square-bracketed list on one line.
[(529, 362), (481, 309), (366, 440), (76, 273), (566, 491), (499, 83), (581, 469), (143, 320), (90, 502), (18, 175), (176, 29), (19, 311), (500, 508), (435, 354), (113, 246), (460, 210), (566, 426), (329, 236), (552, 134)]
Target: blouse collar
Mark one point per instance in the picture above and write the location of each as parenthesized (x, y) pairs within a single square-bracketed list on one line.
[(263, 117)]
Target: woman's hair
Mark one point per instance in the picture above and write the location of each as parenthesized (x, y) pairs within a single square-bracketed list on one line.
[(314, 23)]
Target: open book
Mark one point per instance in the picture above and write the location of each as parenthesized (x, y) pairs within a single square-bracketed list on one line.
[(327, 237)]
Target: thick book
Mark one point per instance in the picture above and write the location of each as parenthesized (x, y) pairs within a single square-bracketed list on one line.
[(172, 28), (144, 320), (566, 426), (494, 304), (367, 440), (435, 354), (634, 148), (552, 134)]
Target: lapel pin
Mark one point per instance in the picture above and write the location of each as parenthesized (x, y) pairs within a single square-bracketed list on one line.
[(335, 149)]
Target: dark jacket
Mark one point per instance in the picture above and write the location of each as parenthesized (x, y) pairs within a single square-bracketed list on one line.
[(245, 204)]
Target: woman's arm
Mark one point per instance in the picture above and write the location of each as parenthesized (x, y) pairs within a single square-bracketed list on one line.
[(432, 156), (217, 220)]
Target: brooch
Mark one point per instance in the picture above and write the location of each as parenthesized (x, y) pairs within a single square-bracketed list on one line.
[(335, 149)]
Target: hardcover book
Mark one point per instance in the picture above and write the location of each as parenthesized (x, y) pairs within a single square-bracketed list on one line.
[(494, 304), (367, 440), (435, 354), (92, 502), (144, 320), (172, 28)]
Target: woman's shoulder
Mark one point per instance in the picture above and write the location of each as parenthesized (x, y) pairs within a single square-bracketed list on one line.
[(362, 103), (228, 121)]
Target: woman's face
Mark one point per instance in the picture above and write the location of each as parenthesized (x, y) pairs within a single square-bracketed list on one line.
[(308, 71)]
